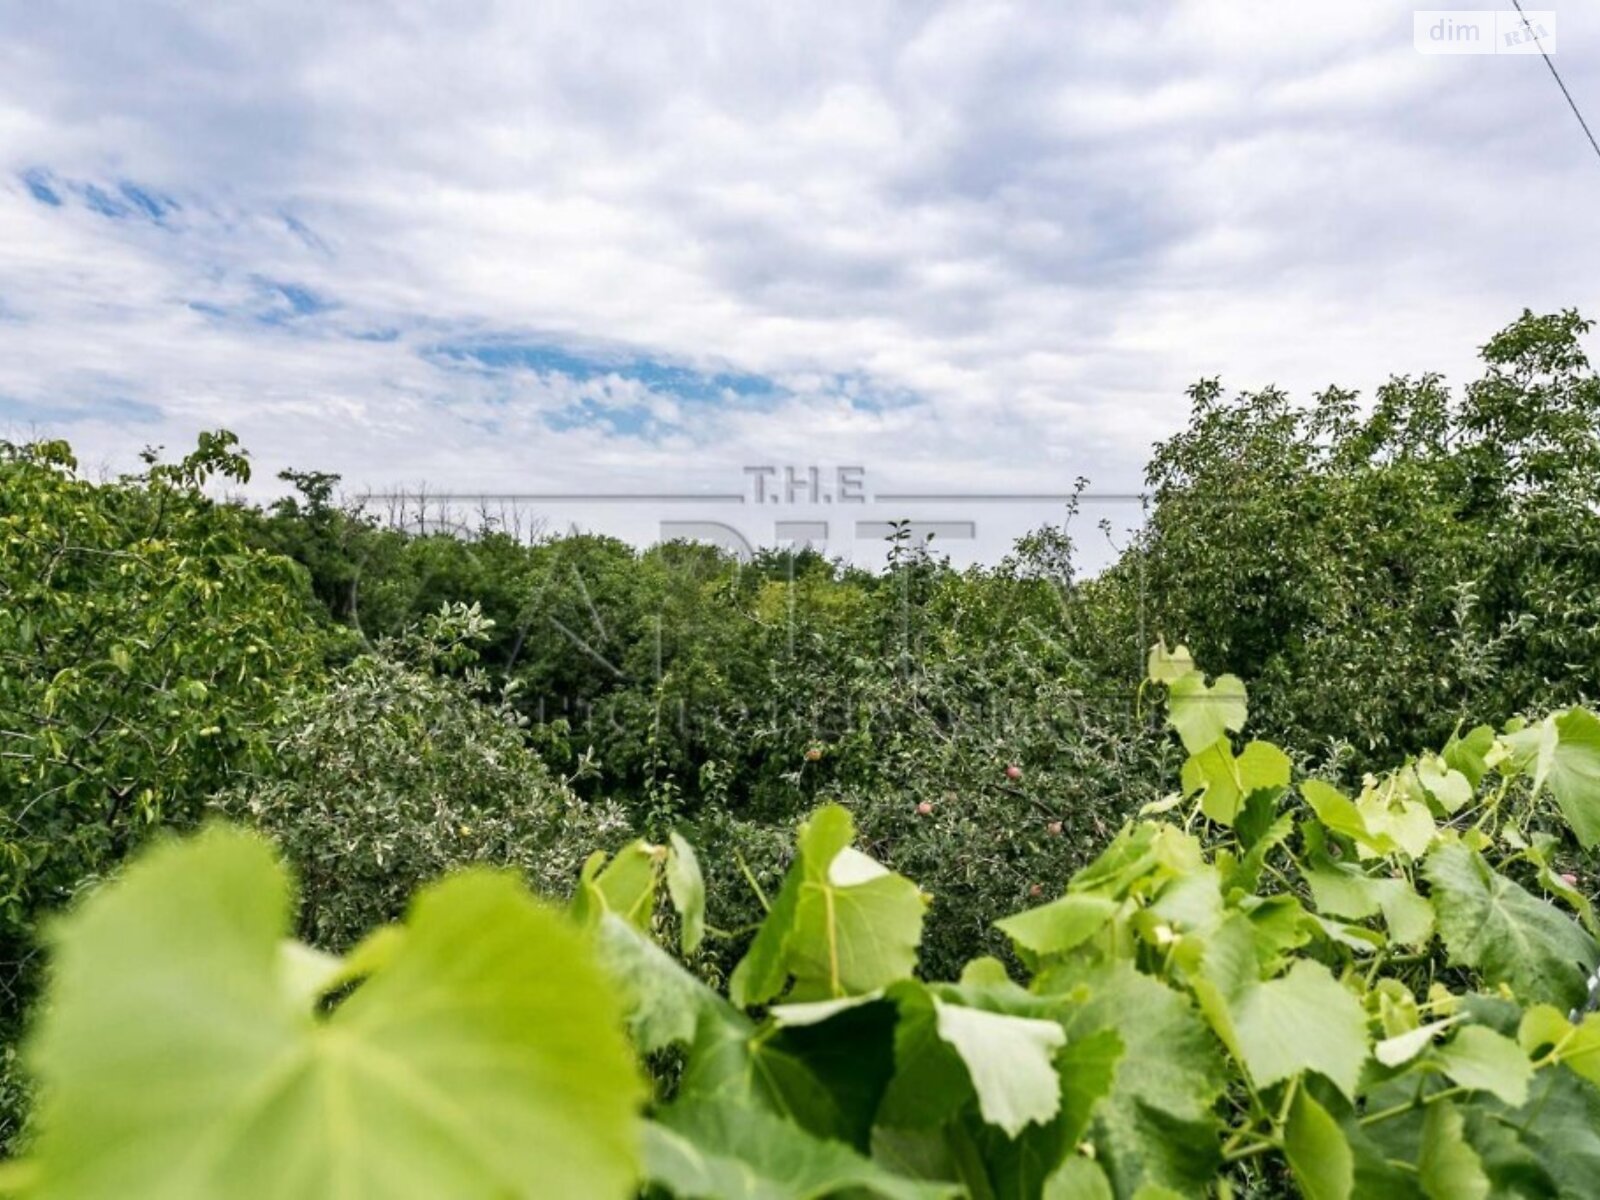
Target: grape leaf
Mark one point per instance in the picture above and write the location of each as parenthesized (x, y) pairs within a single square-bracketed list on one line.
[(1271, 1021), (1008, 1060), (483, 1058), (1548, 1030), (710, 1151), (1449, 787), (1564, 752), (1164, 666), (1021, 1166), (687, 887), (946, 1052), (1391, 811), (1055, 928), (1478, 1057), (1344, 890), (626, 885), (1339, 814), (824, 1066), (842, 924), (664, 1003), (1077, 1179), (1561, 1124), (1156, 1123), (1202, 715), (1225, 782), (1469, 754), (1318, 1153), (1447, 1165), (1491, 923)]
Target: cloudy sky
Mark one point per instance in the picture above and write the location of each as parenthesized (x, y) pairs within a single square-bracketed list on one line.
[(619, 247)]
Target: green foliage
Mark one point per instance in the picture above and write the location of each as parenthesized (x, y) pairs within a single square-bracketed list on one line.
[(1210, 1004), (190, 1053), (392, 772), (1378, 572), (842, 925), (144, 645)]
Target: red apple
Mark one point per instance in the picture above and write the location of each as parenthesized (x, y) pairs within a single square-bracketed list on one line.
[(1013, 772), (924, 809), (1569, 879), (1036, 890)]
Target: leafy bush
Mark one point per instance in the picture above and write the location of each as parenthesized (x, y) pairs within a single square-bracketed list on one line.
[(143, 647), (1380, 575), (393, 772), (1351, 995)]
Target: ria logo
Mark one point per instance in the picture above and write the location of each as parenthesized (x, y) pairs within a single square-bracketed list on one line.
[(1479, 31)]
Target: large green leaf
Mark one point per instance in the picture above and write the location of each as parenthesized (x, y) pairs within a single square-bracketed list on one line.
[(709, 1151), (1009, 1061), (687, 887), (1059, 926), (842, 924), (664, 1004), (1345, 890), (1077, 1179), (1019, 1167), (1225, 783), (1264, 1024), (1447, 1166), (824, 1066), (1561, 1124), (1271, 1020), (1491, 923), (1156, 1124), (626, 885), (947, 1052), (1478, 1057), (1574, 773), (482, 1058), (1202, 714), (1318, 1153), (1564, 753)]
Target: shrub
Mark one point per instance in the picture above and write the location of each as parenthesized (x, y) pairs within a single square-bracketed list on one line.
[(143, 648), (394, 771)]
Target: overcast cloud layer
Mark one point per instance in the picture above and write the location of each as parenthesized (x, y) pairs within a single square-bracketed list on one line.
[(614, 247)]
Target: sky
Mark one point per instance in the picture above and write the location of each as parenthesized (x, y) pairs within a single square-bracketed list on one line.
[(622, 249)]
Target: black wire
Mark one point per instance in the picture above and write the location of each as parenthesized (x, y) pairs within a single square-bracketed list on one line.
[(1571, 103)]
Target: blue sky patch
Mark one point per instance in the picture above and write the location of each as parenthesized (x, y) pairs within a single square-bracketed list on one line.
[(103, 202), (38, 184), (126, 199), (629, 420), (303, 300), (117, 410), (152, 204), (670, 379)]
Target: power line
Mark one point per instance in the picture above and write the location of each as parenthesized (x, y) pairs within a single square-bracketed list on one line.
[(1571, 103)]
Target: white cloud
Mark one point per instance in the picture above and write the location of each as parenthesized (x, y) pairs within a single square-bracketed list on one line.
[(973, 244)]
